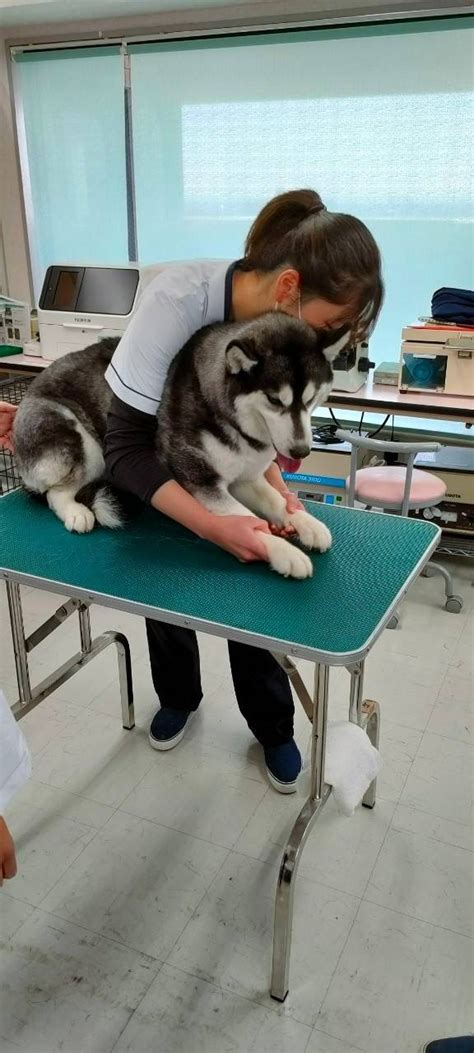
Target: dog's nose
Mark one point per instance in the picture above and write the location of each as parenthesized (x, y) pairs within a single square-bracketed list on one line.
[(299, 451)]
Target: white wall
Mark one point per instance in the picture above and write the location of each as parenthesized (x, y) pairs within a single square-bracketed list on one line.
[(49, 18), (13, 251)]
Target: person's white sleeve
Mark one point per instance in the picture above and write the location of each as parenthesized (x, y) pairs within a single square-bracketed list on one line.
[(161, 326), (15, 761)]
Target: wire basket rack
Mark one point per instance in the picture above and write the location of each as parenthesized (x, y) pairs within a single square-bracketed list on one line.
[(11, 391)]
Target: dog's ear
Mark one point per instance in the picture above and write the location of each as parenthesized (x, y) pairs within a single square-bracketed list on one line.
[(241, 356), (334, 342)]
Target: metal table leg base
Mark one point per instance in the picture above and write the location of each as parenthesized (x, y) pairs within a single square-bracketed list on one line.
[(285, 894), (31, 697), (366, 714), (319, 793)]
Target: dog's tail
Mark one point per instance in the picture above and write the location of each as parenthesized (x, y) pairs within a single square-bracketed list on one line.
[(110, 507)]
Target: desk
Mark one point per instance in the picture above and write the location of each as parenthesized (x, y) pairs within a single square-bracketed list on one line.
[(375, 398), (22, 365), (385, 398), (158, 569)]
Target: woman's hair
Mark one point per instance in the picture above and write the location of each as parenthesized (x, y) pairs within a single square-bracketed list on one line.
[(335, 254)]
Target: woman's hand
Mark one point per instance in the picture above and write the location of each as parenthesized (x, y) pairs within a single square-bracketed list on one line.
[(239, 535), (7, 417), (293, 503), (274, 477), (7, 853)]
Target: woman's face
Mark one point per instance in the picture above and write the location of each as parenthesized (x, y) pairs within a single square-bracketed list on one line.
[(322, 314), (317, 312)]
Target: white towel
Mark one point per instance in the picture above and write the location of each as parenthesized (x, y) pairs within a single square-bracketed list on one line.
[(15, 762), (351, 764)]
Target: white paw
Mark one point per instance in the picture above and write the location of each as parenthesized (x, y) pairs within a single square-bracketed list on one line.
[(286, 559), (78, 518), (311, 532)]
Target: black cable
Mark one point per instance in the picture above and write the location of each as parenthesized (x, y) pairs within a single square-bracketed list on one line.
[(372, 434), (334, 418)]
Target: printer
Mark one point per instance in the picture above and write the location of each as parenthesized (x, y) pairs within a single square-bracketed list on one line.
[(437, 359), (81, 304)]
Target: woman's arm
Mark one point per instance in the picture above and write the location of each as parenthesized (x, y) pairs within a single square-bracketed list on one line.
[(274, 477), (130, 454), (239, 535), (132, 464), (137, 375)]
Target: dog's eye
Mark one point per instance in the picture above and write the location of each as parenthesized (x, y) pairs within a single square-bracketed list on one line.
[(275, 401)]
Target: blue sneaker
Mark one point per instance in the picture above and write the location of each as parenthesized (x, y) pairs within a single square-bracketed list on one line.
[(461, 1044), (168, 727), (283, 766)]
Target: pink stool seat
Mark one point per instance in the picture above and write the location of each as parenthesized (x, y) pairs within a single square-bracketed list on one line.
[(384, 486)]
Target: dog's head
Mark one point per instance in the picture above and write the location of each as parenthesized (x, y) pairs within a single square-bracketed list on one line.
[(279, 370)]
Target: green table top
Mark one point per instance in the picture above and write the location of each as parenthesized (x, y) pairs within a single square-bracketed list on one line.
[(157, 568)]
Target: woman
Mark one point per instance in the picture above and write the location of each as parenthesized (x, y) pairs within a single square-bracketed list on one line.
[(301, 259)]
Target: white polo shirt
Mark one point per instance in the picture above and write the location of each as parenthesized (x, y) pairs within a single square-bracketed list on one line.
[(180, 300)]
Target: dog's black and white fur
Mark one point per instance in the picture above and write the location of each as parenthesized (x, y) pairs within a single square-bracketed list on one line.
[(59, 434), (234, 395)]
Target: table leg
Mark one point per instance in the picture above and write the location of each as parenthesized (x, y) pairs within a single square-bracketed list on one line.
[(85, 627), (319, 793), (295, 677), (125, 678), (19, 643), (31, 697)]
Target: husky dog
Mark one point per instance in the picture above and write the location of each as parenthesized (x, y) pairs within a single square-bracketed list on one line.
[(236, 395), (59, 437)]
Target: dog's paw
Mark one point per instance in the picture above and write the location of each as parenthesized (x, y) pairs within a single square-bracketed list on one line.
[(286, 559), (310, 531), (78, 518)]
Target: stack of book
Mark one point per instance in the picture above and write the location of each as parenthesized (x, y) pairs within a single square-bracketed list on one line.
[(15, 328)]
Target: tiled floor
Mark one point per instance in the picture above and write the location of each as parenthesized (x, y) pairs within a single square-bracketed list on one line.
[(141, 918)]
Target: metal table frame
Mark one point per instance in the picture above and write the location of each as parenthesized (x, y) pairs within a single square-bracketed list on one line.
[(365, 713), (29, 696)]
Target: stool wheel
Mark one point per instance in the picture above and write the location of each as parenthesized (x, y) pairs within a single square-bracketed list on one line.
[(394, 620), (454, 604)]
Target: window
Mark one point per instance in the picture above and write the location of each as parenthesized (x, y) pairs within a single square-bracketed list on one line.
[(378, 119), (73, 113)]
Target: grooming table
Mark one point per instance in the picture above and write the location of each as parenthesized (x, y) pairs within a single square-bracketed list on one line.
[(158, 569)]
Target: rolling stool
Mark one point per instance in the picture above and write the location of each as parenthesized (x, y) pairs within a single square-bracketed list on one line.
[(398, 488)]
